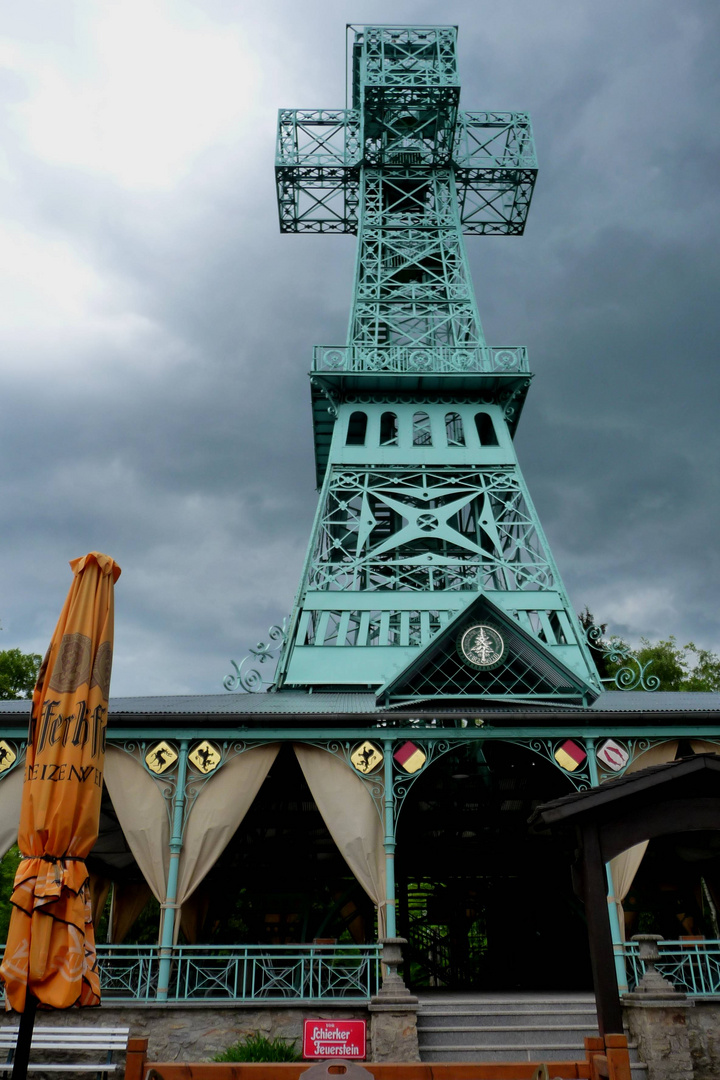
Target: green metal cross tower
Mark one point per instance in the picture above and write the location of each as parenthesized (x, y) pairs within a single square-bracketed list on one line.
[(428, 574)]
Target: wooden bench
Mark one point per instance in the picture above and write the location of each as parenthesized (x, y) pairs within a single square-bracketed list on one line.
[(68, 1040), (604, 1058)]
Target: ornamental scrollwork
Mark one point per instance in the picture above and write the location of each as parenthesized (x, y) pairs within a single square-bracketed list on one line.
[(402, 782), (333, 403), (194, 782), (342, 749), (547, 748), (247, 676), (632, 673)]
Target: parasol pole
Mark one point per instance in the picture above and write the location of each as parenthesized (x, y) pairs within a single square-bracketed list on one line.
[(25, 1034)]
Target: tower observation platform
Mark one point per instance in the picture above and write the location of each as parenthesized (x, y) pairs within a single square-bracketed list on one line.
[(428, 573)]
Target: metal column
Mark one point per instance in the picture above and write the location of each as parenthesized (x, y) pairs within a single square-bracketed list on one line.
[(169, 908), (617, 939)]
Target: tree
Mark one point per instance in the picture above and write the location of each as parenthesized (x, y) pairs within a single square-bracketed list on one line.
[(678, 667), (8, 868), (18, 673)]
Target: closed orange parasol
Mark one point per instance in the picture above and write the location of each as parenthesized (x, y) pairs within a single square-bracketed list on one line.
[(50, 952)]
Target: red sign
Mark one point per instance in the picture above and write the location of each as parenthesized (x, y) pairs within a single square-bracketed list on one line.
[(334, 1039)]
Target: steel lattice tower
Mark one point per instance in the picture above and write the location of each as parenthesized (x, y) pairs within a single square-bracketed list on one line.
[(424, 530)]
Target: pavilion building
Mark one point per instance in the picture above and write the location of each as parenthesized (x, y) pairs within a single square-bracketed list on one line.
[(433, 682)]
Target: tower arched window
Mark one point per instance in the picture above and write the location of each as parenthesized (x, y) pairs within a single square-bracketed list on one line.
[(357, 429), (454, 429), (389, 429), (422, 431), (486, 429)]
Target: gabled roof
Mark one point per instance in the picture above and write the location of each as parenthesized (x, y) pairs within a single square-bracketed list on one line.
[(529, 671)]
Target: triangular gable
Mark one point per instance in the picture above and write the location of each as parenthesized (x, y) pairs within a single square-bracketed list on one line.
[(525, 671)]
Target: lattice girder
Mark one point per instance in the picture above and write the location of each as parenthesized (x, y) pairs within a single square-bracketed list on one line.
[(423, 508), (438, 530), (394, 56), (322, 150)]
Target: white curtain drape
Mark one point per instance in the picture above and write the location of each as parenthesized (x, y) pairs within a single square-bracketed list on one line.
[(129, 901), (625, 866), (702, 746), (10, 797), (142, 813), (218, 810), (352, 818), (99, 891)]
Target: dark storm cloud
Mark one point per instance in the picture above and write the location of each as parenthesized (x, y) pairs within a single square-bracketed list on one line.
[(155, 404)]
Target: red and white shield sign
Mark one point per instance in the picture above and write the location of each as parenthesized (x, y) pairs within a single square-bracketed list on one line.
[(612, 755)]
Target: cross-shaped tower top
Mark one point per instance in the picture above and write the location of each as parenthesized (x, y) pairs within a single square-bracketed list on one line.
[(406, 93)]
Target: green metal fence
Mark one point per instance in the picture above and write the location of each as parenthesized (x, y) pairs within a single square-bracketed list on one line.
[(692, 966), (327, 973)]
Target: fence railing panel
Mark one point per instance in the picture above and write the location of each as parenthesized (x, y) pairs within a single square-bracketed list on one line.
[(325, 973), (692, 966)]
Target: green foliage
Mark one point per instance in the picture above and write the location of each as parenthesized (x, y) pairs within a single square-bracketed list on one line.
[(257, 1047), (8, 869), (678, 667), (18, 674)]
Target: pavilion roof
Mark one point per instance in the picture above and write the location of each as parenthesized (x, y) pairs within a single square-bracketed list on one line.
[(688, 776), (611, 704)]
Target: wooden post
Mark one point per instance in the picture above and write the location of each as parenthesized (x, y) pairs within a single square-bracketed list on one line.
[(602, 956), (618, 1056), (136, 1059)]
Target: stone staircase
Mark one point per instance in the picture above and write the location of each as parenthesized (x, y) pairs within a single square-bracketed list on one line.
[(508, 1027)]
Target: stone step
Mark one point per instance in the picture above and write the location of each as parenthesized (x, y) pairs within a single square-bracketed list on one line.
[(500, 1028), (540, 1017), (638, 1070), (446, 1006), (510, 1053), (528, 1035)]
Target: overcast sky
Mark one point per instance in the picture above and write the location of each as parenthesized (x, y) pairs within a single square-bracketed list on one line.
[(156, 329)]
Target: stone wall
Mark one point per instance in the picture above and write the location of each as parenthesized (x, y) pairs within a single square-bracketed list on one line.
[(196, 1032), (677, 1040), (704, 1034)]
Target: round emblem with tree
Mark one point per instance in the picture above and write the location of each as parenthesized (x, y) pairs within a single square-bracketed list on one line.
[(482, 646)]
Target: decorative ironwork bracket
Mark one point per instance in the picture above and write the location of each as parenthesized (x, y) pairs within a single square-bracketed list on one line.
[(247, 677), (330, 397), (402, 782), (194, 781), (509, 401), (375, 782), (632, 675)]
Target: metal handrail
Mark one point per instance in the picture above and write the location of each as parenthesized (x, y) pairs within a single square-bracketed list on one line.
[(693, 966), (327, 973), (511, 359)]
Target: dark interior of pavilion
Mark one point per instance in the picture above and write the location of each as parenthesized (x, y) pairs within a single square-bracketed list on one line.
[(484, 901)]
